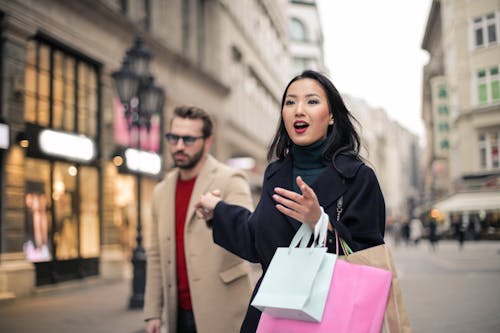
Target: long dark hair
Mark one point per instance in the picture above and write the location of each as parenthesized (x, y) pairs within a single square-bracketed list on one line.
[(341, 136)]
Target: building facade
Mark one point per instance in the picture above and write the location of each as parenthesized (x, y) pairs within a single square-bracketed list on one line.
[(69, 207), (461, 111), (306, 36), (396, 165)]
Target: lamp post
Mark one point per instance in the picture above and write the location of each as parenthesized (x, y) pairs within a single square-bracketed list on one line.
[(141, 99)]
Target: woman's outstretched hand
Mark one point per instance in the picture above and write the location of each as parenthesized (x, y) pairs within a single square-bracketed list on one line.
[(205, 207), (302, 207)]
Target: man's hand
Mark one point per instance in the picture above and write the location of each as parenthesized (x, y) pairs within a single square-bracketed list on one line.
[(153, 325)]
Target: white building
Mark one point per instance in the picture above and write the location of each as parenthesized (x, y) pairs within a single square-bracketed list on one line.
[(461, 110), (306, 36), (392, 151)]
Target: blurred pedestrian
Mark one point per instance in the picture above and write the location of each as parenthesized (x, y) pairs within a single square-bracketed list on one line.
[(459, 230), (194, 284), (405, 232), (316, 163), (416, 231), (433, 234)]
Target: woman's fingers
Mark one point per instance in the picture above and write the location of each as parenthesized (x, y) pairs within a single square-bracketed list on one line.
[(293, 205), (302, 207), (287, 194), (307, 191), (288, 212)]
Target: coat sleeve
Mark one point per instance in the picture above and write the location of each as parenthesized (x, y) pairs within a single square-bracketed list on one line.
[(153, 297), (234, 231), (362, 221), (237, 191), (231, 226)]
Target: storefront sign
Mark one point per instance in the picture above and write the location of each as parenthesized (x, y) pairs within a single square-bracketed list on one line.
[(142, 161), (66, 145), (4, 136)]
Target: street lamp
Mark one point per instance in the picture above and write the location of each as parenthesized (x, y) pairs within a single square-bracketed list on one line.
[(141, 99)]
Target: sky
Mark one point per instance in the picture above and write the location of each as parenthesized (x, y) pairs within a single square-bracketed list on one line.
[(373, 51)]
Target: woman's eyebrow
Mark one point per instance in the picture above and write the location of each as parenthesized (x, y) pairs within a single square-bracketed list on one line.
[(312, 94), (308, 95)]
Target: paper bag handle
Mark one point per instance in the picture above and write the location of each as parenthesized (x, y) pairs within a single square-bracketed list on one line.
[(303, 235)]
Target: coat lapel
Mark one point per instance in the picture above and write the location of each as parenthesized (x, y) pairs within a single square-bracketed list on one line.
[(281, 176), (329, 186), (168, 209), (203, 181)]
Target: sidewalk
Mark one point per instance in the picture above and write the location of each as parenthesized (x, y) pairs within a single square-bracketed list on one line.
[(90, 305)]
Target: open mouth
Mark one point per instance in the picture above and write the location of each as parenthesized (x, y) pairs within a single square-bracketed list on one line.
[(300, 126)]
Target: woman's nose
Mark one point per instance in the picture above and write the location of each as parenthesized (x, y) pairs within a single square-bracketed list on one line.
[(299, 109)]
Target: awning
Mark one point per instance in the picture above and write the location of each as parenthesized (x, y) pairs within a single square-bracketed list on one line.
[(470, 202)]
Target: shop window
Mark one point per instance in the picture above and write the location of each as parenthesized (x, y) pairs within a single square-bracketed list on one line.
[(66, 206), (89, 212), (62, 219), (38, 214), (61, 89)]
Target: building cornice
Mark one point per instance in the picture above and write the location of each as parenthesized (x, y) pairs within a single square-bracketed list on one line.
[(476, 111), (431, 20)]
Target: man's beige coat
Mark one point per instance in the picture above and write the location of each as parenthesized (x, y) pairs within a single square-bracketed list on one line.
[(220, 282)]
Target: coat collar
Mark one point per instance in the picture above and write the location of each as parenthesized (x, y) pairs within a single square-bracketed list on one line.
[(329, 185)]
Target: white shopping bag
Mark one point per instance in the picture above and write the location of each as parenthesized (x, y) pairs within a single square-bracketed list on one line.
[(297, 281)]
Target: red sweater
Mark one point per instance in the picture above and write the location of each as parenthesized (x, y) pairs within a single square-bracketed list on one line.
[(182, 196)]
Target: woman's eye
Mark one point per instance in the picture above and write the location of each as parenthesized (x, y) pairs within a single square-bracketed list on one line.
[(289, 102), (313, 101)]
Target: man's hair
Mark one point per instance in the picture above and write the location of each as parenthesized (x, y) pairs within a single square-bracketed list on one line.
[(193, 112)]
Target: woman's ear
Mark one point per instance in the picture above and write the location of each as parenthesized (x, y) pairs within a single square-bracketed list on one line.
[(331, 120)]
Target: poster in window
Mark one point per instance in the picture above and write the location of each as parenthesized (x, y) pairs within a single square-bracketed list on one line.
[(36, 245), (127, 135)]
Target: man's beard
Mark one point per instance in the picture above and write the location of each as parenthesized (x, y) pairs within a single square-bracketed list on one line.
[(191, 162)]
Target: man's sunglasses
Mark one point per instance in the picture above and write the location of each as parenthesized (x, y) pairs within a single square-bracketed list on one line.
[(187, 139)]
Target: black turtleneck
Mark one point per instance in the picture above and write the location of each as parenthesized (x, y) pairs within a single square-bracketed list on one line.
[(308, 162)]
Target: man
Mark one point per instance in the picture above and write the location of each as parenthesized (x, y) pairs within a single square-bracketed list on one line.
[(196, 285)]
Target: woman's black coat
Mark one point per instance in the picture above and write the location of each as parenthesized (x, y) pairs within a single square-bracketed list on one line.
[(255, 236)]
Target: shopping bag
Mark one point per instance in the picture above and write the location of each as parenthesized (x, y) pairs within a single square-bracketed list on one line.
[(297, 281), (356, 303), (396, 316)]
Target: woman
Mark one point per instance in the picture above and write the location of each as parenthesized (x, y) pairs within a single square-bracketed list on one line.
[(318, 162)]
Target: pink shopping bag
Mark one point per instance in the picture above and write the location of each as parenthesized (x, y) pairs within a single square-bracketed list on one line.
[(356, 303)]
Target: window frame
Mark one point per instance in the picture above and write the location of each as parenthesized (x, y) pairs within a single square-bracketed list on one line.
[(479, 28), (486, 85), (41, 42), (485, 148), (298, 23)]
